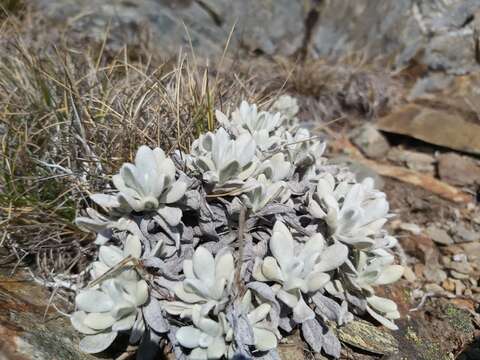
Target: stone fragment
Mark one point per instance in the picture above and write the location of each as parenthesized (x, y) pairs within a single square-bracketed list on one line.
[(418, 269), (458, 170), (434, 126), (472, 249), (463, 234), (452, 250), (459, 275), (410, 227), (30, 327), (434, 274), (461, 267), (449, 285), (370, 141), (414, 160), (434, 288), (365, 336), (409, 274), (459, 287), (438, 235)]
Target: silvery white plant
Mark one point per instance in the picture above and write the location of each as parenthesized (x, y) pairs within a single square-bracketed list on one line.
[(262, 126), (262, 192), (354, 213), (247, 117), (276, 168), (205, 337), (104, 312), (224, 163), (149, 184), (112, 306), (298, 267), (208, 282), (264, 333), (313, 245), (375, 269), (302, 148), (110, 255), (288, 107)]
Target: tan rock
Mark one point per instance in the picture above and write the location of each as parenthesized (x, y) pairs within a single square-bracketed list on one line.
[(435, 126), (370, 141), (449, 285), (459, 287), (458, 170), (439, 235), (412, 159), (409, 274), (461, 267)]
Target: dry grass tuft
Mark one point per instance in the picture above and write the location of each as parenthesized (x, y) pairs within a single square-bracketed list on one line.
[(69, 118)]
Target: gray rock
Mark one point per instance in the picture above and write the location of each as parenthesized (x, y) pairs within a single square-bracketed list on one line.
[(462, 234), (453, 52), (459, 275), (458, 170), (434, 274), (438, 235), (265, 27), (472, 250), (412, 159), (370, 141), (437, 33), (461, 267), (434, 288)]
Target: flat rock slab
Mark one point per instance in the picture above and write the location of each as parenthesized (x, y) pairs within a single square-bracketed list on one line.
[(458, 170), (433, 126), (28, 330)]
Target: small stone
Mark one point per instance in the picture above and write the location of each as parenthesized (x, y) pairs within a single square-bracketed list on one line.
[(414, 160), (458, 275), (438, 235), (370, 141), (449, 285), (434, 274), (410, 227), (459, 287), (409, 274), (418, 269), (434, 288), (462, 234), (458, 170), (468, 292), (446, 260), (472, 250), (452, 250), (461, 267)]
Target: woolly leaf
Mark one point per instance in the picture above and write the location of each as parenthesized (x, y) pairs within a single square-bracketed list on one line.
[(312, 332), (154, 317)]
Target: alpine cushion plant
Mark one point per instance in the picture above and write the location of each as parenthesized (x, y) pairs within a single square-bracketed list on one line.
[(229, 248)]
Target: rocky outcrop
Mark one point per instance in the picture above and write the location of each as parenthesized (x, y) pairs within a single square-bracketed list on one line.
[(443, 35)]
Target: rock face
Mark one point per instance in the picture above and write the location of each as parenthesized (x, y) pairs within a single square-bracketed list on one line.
[(442, 35), (265, 27), (31, 330)]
